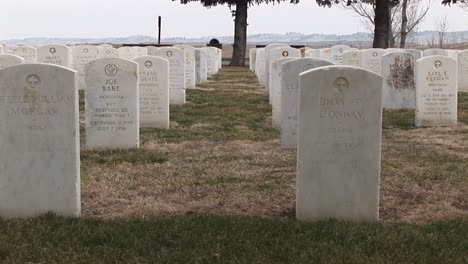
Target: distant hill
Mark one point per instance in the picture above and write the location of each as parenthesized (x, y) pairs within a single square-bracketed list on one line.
[(357, 39)]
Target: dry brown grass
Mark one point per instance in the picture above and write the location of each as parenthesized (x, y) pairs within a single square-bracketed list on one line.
[(424, 174)]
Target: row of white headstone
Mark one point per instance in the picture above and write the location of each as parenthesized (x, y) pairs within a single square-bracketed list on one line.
[(333, 114), (188, 66), (40, 125), (428, 85)]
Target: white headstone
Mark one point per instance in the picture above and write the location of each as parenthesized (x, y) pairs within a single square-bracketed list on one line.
[(339, 144), (29, 54), (252, 59), (325, 54), (112, 105), (154, 91), (463, 71), (108, 52), (416, 53), (1, 49), (433, 52), (260, 66), (190, 66), (436, 91), (453, 54), (398, 88), (201, 70), (371, 59), (279, 53), (312, 53), (176, 59), (141, 51), (212, 60), (352, 58), (128, 53), (268, 61), (39, 141), (9, 49), (290, 95), (337, 53), (55, 54), (8, 60), (275, 93), (81, 56)]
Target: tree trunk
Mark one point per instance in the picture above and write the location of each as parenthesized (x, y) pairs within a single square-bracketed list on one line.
[(382, 24), (240, 34), (404, 24)]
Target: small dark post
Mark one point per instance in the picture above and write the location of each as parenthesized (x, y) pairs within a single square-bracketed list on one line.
[(159, 30)]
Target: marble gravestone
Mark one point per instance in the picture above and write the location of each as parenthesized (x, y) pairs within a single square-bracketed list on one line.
[(29, 54), (141, 51), (260, 66), (9, 49), (81, 56), (275, 93), (154, 91), (352, 58), (434, 52), (176, 59), (54, 54), (325, 54), (339, 144), (189, 53), (371, 59), (8, 60), (108, 52), (39, 142), (105, 45), (252, 58), (436, 91), (112, 104), (127, 53), (212, 61), (268, 61), (1, 49), (337, 53), (290, 72), (398, 88), (416, 53), (279, 53), (462, 71), (201, 74), (312, 53)]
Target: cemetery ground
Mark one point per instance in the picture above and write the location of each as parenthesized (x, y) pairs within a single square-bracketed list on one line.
[(218, 188)]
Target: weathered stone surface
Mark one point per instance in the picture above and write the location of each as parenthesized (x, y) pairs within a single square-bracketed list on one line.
[(436, 91), (462, 71), (39, 141), (371, 59), (189, 53), (29, 54), (279, 53), (398, 89), (176, 59), (275, 93), (290, 95), (434, 52), (312, 53), (56, 54), (81, 56), (201, 70), (325, 54), (212, 60), (252, 59), (112, 104), (339, 144), (352, 58), (128, 53), (154, 91), (260, 66), (8, 60), (337, 51), (108, 52), (416, 53), (268, 61)]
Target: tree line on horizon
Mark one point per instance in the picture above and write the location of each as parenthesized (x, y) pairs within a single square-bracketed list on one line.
[(382, 21)]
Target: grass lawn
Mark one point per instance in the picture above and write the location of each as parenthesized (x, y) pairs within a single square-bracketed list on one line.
[(218, 188)]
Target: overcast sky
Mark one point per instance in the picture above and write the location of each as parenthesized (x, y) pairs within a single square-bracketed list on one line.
[(122, 18)]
